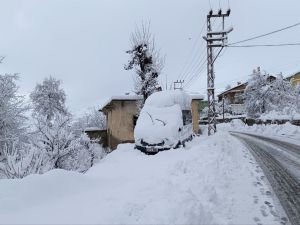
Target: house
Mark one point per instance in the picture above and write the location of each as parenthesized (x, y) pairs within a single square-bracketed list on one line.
[(121, 115), (294, 79), (235, 95)]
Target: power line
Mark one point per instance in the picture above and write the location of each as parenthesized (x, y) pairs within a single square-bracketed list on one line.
[(189, 73), (192, 53), (218, 54), (186, 68), (195, 55), (267, 34), (194, 63), (263, 45), (197, 72)]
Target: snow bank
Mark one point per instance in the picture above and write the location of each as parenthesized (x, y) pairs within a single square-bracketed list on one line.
[(286, 114), (286, 131), (213, 181)]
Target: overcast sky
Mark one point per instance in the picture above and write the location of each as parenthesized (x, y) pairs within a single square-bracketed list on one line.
[(83, 42)]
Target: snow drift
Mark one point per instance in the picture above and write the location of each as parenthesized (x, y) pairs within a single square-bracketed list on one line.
[(213, 181)]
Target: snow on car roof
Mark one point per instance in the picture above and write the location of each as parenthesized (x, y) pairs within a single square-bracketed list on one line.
[(170, 98)]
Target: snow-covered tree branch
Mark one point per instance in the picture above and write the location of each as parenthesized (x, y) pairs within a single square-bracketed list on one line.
[(263, 95)]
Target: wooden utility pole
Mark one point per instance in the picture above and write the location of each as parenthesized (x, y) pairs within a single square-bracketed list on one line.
[(214, 39)]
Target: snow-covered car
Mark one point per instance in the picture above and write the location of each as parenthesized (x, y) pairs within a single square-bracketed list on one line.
[(164, 122)]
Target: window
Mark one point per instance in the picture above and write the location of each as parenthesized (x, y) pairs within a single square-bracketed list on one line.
[(186, 117)]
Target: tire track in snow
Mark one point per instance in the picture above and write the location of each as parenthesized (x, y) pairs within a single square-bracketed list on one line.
[(285, 185)]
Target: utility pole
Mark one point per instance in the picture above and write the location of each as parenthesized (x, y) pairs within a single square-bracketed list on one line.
[(214, 39), (178, 84)]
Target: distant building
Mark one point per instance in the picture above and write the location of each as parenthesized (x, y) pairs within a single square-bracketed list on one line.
[(235, 95), (235, 98)]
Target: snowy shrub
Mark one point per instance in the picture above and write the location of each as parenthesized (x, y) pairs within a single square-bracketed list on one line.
[(53, 138), (237, 123), (92, 118), (12, 110), (54, 135), (263, 95), (83, 153), (21, 159), (52, 121), (12, 128), (52, 144)]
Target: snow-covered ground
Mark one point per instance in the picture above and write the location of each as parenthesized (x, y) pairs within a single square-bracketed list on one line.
[(214, 180)]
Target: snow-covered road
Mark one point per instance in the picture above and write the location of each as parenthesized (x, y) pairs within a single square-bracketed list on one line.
[(281, 163), (215, 180)]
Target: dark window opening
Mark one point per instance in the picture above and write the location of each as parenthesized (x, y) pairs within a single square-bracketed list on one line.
[(134, 120), (186, 117)]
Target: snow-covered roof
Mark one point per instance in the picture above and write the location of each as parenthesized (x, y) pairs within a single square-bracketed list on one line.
[(232, 89), (120, 98), (292, 74), (92, 129)]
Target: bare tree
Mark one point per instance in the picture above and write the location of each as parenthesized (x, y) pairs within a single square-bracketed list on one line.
[(91, 118), (146, 60)]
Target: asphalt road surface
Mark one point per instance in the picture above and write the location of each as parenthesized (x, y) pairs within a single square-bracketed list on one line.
[(280, 162)]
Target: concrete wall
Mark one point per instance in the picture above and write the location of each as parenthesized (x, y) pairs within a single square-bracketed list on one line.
[(120, 127)]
